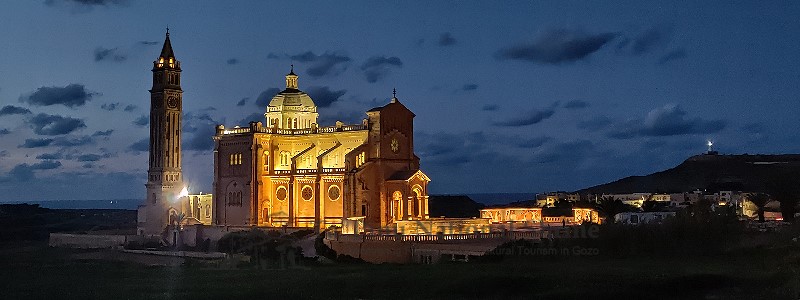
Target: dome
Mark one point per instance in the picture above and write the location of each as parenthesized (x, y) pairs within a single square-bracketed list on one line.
[(291, 98), (291, 108)]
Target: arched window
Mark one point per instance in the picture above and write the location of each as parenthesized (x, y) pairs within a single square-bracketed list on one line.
[(397, 202), (294, 125), (418, 200)]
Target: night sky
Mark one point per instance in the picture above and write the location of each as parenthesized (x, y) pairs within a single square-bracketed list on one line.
[(509, 97)]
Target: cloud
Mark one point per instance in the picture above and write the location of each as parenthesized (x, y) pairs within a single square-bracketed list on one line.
[(113, 54), (71, 96), (46, 165), (232, 61), (646, 41), (109, 106), (753, 128), (323, 96), (266, 96), (378, 67), (446, 149), (469, 87), (446, 39), (490, 107), (88, 2), (3, 153), (669, 120), (531, 142), (4, 131), (346, 116), (199, 130), (140, 146), (103, 133), (595, 124), (254, 117), (36, 143), (129, 108), (576, 104), (327, 64), (473, 151), (149, 43), (56, 155), (533, 117), (92, 157), (65, 184), (44, 124), (142, 121), (569, 151), (557, 47), (24, 172), (13, 110), (73, 141), (243, 101), (672, 55)]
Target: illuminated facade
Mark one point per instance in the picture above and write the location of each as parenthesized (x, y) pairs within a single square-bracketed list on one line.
[(293, 172), (534, 215)]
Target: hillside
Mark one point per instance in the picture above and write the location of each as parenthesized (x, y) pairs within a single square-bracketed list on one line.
[(710, 172), (32, 222), (453, 206)]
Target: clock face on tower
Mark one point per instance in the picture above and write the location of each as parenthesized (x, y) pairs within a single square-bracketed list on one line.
[(172, 102), (395, 145)]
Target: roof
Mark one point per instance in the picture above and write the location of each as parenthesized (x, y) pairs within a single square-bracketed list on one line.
[(166, 51), (406, 175), (393, 102), (292, 97)]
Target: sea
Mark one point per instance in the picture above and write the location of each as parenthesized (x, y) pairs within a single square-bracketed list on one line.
[(130, 204)]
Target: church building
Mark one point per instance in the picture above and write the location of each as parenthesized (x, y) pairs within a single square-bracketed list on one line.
[(287, 170)]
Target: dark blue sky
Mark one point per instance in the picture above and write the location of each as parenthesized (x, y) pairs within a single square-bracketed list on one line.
[(509, 97)]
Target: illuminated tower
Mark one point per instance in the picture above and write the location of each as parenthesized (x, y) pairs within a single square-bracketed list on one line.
[(164, 178)]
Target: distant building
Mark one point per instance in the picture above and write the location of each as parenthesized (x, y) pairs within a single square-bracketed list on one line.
[(550, 199), (536, 215), (637, 199)]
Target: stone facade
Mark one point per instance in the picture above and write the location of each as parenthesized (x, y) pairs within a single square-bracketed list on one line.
[(164, 178)]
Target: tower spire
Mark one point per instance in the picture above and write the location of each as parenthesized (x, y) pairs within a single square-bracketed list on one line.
[(394, 95), (291, 80), (166, 51)]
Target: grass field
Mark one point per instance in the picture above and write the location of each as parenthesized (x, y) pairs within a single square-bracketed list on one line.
[(30, 270)]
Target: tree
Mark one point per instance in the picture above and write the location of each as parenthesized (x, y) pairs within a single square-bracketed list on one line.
[(784, 189), (760, 200), (610, 206)]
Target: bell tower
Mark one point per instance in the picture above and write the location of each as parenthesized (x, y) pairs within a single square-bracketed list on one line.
[(164, 178)]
